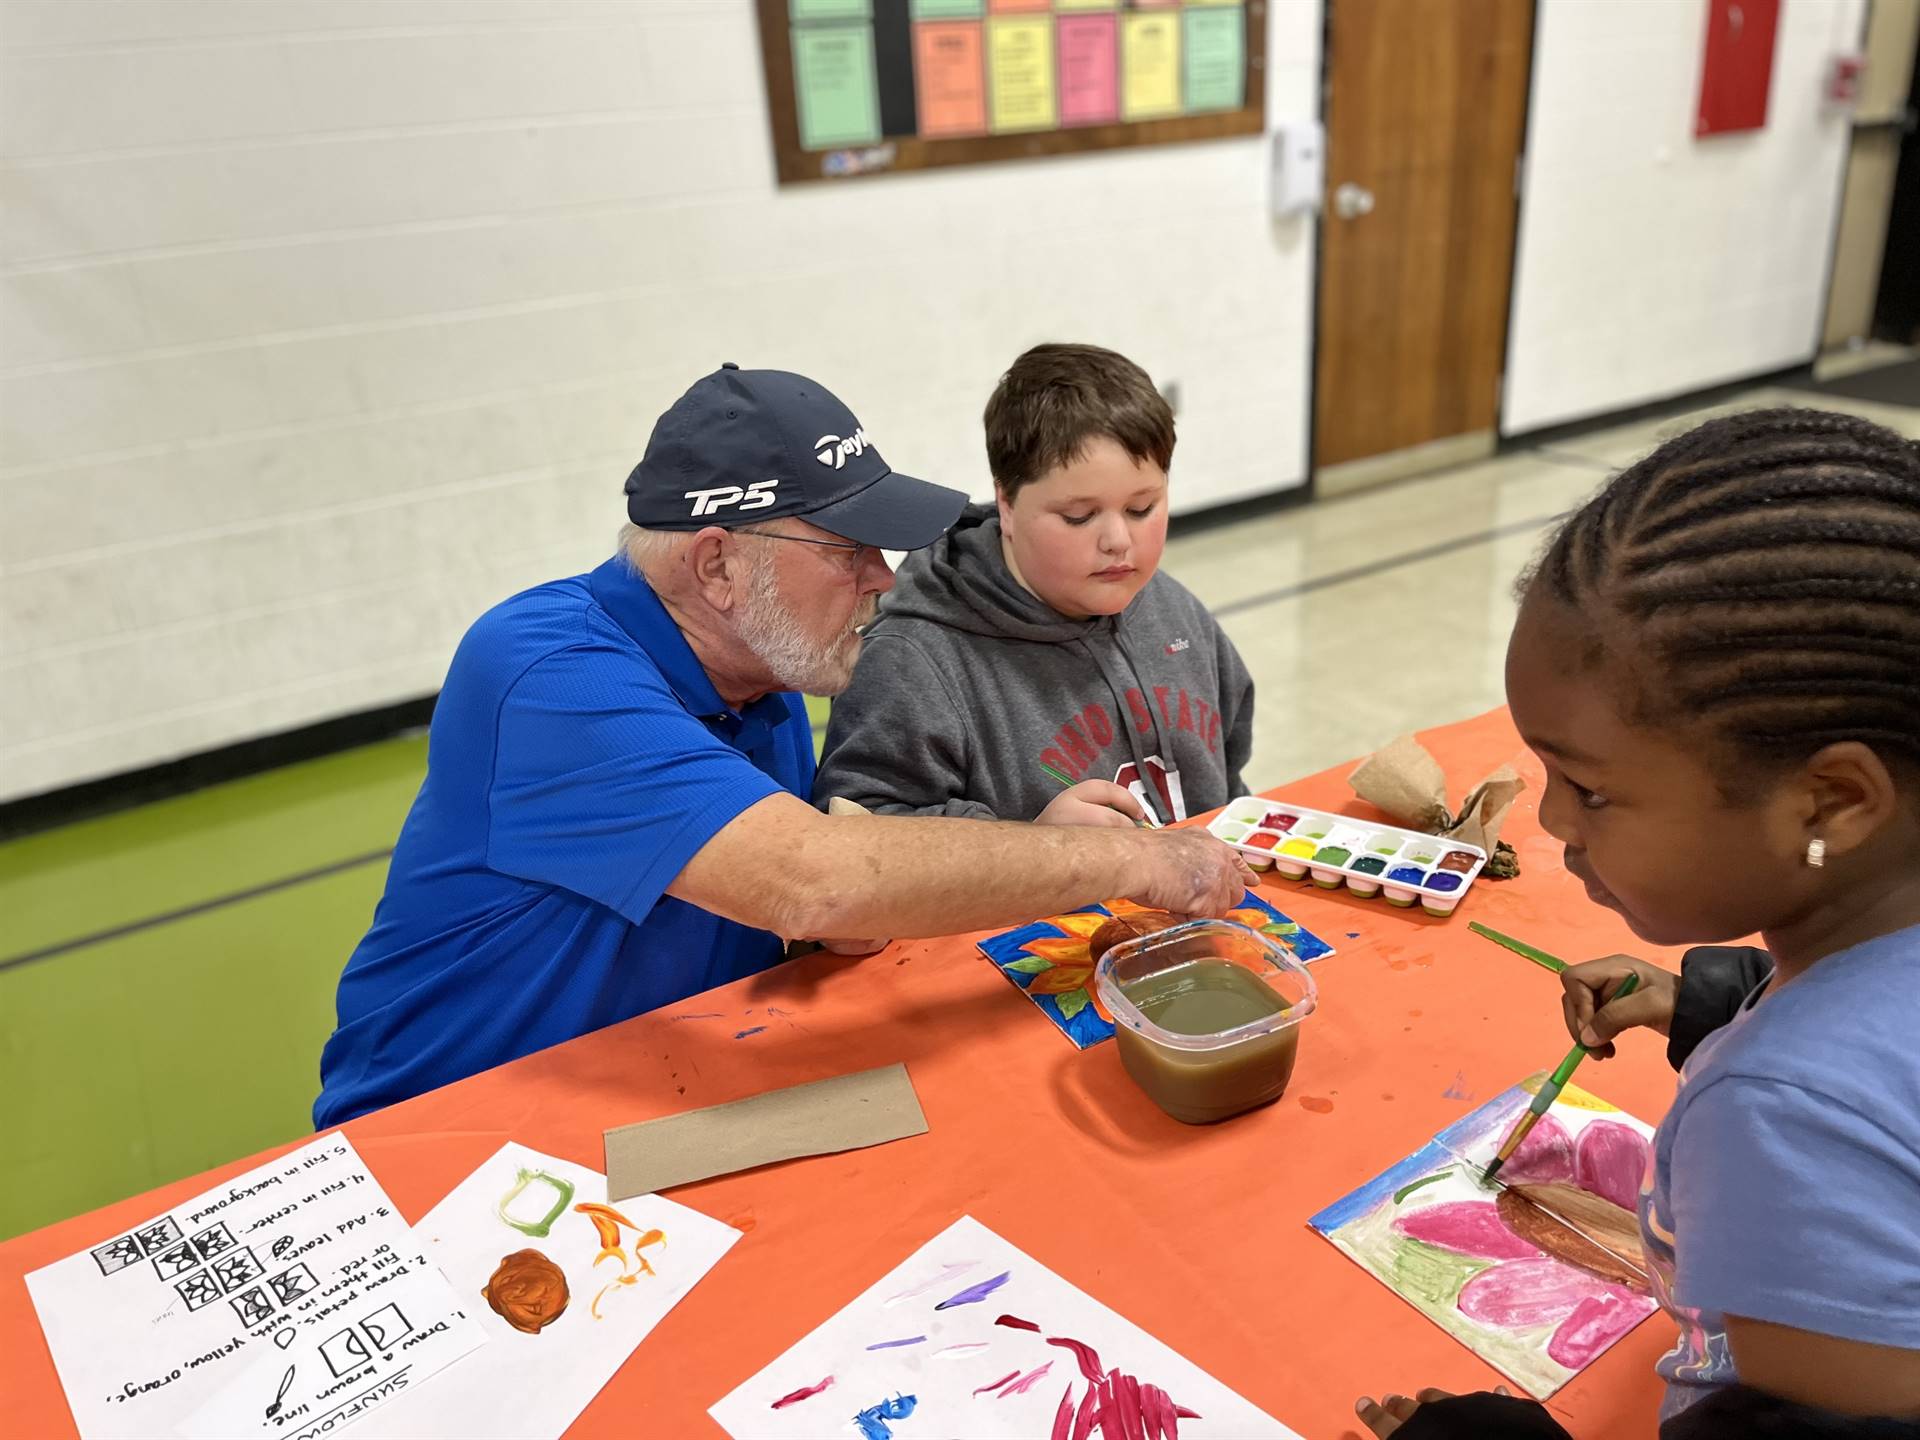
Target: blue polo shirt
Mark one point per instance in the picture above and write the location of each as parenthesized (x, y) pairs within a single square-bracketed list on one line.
[(579, 757)]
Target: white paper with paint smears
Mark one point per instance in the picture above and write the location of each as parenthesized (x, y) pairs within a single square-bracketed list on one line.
[(583, 1284), (972, 1337), (290, 1301)]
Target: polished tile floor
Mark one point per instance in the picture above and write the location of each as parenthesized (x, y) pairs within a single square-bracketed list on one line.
[(1388, 611)]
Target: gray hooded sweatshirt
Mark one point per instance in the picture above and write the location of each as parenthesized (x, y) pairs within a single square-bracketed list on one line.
[(968, 685)]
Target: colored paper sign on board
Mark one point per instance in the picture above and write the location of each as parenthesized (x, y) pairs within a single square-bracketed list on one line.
[(1089, 69), (830, 9), (950, 75), (1736, 74), (1017, 7), (1088, 5), (1150, 65), (1020, 74), (1216, 57), (949, 9), (833, 79)]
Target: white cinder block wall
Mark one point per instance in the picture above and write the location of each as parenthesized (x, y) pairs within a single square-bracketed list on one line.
[(328, 323), (1651, 263)]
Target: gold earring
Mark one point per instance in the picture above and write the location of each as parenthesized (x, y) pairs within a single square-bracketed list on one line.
[(1817, 853)]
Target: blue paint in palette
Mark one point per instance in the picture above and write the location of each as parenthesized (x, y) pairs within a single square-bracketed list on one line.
[(1406, 875), (1444, 881)]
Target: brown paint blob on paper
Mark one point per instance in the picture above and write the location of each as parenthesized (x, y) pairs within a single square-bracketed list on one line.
[(528, 1291), (1317, 1105)]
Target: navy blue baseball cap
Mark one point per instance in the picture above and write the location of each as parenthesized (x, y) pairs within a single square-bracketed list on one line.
[(743, 446)]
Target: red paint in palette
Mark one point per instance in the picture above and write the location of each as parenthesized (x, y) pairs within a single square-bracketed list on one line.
[(1279, 820), (1263, 842)]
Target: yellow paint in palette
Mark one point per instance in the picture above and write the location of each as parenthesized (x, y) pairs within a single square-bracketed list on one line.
[(1290, 859)]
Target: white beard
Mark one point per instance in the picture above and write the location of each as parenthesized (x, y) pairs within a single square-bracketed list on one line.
[(780, 642)]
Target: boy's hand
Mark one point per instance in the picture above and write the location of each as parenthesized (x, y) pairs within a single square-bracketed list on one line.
[(1594, 1017), (1093, 802)]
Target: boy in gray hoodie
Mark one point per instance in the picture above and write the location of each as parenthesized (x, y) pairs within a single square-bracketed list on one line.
[(1037, 634)]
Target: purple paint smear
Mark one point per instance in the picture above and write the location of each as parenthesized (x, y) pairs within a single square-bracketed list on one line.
[(947, 1272), (974, 1294), (742, 1034), (896, 1344)]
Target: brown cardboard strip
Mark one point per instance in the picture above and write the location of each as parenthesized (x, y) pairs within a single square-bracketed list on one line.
[(847, 1112)]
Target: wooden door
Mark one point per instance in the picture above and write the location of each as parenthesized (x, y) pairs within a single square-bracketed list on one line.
[(1426, 104)]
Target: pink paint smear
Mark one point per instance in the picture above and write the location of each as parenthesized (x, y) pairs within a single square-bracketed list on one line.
[(805, 1392)]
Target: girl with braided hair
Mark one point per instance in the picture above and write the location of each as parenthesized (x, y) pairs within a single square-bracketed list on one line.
[(1718, 661)]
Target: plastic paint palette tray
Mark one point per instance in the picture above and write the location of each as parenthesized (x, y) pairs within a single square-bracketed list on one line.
[(1406, 867)]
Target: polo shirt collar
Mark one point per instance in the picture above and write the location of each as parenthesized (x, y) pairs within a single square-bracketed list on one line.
[(629, 599)]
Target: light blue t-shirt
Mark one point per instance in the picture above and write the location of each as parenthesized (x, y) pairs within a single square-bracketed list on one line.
[(1785, 1181)]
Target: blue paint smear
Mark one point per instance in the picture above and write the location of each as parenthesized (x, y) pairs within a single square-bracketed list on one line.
[(974, 1294), (873, 1420), (896, 1344), (1428, 1158), (742, 1034)]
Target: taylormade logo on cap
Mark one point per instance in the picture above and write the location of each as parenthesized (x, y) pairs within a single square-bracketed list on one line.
[(832, 450)]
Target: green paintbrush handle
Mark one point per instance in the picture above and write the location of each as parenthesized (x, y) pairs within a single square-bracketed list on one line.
[(1557, 1081), (1519, 947)]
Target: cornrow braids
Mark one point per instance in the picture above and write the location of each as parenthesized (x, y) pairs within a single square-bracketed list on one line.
[(1767, 565)]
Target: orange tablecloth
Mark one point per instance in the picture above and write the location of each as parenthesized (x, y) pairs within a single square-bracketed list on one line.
[(1197, 1235)]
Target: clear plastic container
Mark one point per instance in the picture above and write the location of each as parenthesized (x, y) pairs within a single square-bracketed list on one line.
[(1206, 1016)]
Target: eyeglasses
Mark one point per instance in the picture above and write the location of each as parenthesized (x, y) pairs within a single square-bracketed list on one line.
[(805, 540)]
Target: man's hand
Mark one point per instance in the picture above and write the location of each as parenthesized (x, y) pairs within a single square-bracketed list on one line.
[(854, 947), (1191, 873), (1594, 1017), (1092, 802)]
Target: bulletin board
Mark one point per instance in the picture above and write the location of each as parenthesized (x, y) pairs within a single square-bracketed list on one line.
[(867, 87)]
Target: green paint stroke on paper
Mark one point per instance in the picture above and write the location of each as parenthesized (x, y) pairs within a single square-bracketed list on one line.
[(540, 1228)]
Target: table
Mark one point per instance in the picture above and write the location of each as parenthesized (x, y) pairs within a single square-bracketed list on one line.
[(1198, 1235)]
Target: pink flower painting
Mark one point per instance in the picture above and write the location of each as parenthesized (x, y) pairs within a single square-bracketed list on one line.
[(1539, 1274)]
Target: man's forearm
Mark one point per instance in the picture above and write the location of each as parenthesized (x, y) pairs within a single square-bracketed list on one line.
[(906, 876)]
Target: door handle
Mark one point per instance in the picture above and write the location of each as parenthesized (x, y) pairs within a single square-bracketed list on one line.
[(1351, 201)]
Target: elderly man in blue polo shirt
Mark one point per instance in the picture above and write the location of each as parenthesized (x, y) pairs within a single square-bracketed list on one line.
[(614, 814)]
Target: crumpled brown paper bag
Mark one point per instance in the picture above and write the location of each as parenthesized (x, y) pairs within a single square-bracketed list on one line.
[(1408, 783)]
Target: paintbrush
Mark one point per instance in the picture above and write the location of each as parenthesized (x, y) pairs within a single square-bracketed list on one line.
[(1519, 947), (1550, 1091), (1067, 781)]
